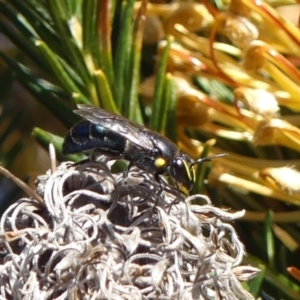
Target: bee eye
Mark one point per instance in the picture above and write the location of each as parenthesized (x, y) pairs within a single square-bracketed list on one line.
[(180, 171)]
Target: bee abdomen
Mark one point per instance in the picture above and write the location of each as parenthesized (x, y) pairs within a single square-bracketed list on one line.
[(85, 136)]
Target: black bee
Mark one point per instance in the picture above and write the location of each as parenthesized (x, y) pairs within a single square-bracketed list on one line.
[(117, 137)]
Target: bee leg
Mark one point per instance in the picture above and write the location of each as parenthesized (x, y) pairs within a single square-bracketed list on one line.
[(92, 157), (164, 186), (161, 181), (126, 171), (174, 185), (78, 163)]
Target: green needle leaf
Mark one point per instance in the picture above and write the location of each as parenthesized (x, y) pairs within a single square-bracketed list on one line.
[(104, 92), (157, 111)]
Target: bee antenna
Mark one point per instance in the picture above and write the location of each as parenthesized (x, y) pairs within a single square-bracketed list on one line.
[(208, 158)]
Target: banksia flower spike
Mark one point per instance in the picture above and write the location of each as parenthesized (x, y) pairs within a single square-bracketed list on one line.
[(100, 236)]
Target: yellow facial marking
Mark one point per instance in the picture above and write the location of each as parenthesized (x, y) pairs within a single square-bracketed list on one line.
[(192, 174), (160, 162), (188, 170), (183, 189)]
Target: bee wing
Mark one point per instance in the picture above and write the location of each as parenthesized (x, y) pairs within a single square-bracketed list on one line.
[(115, 123)]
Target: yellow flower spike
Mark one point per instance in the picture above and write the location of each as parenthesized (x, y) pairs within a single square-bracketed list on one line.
[(238, 183), (287, 239), (252, 165), (192, 16), (279, 68), (183, 83), (153, 31), (226, 114), (281, 62), (255, 81), (259, 56), (285, 34), (284, 178), (254, 59), (191, 112), (238, 8), (224, 132), (183, 60), (187, 145), (287, 84), (157, 9), (224, 52), (196, 109), (249, 179), (221, 112), (246, 178), (276, 131), (287, 9), (239, 30), (258, 101), (194, 148), (219, 22), (291, 103)]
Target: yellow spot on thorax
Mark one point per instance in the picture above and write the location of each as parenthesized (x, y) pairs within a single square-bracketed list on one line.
[(160, 162)]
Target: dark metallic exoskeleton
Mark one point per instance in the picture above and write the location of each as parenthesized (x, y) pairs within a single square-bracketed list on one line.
[(117, 137)]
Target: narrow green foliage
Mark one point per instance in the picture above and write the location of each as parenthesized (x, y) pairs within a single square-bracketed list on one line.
[(131, 106), (59, 71), (255, 284), (9, 122), (215, 88), (201, 171), (72, 46), (157, 112), (72, 41), (269, 239), (288, 289), (104, 92), (170, 93), (104, 34), (122, 54), (22, 42), (167, 94), (46, 93), (89, 19), (13, 123), (23, 24)]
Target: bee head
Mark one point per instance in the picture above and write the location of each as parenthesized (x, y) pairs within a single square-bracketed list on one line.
[(182, 171)]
